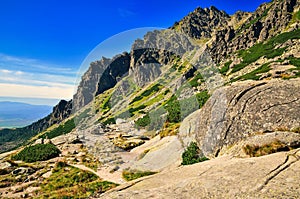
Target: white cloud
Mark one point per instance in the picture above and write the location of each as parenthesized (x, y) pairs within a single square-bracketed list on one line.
[(18, 90), (22, 77), (19, 73), (4, 71), (12, 62)]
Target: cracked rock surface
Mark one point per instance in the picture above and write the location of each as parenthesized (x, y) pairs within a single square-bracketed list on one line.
[(271, 176), (235, 112)]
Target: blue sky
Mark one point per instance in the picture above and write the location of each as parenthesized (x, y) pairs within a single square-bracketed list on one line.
[(43, 43)]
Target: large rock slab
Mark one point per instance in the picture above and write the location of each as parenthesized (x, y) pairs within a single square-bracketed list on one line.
[(235, 112), (271, 176)]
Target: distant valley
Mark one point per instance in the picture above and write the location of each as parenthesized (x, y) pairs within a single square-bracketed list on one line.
[(16, 114)]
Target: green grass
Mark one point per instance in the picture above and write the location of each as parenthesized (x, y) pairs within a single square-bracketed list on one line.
[(143, 122), (256, 151), (146, 93), (38, 152), (110, 120), (298, 15), (130, 112), (135, 174), (294, 61), (71, 182), (265, 49), (194, 82), (192, 155), (62, 129), (225, 68), (254, 74), (106, 106), (85, 114), (202, 98), (153, 120)]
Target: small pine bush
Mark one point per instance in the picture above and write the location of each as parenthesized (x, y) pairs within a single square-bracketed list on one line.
[(38, 152), (192, 155)]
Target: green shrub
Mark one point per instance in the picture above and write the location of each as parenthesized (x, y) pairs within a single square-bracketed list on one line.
[(265, 49), (60, 130), (173, 108), (254, 74), (146, 93), (110, 120), (225, 68), (194, 82), (178, 110), (202, 98), (143, 122), (38, 152), (192, 155), (134, 174)]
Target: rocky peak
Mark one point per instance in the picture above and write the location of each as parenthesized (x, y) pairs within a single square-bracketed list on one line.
[(201, 23), (267, 21)]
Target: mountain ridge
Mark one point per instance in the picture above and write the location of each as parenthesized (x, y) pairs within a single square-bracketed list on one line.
[(227, 85), (15, 114)]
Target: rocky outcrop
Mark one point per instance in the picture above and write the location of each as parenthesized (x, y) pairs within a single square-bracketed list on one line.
[(267, 21), (201, 23), (60, 112), (115, 71), (100, 76), (235, 112), (88, 86)]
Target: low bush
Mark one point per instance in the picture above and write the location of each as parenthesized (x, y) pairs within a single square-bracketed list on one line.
[(254, 75), (266, 49), (143, 122), (225, 68), (192, 155), (38, 152)]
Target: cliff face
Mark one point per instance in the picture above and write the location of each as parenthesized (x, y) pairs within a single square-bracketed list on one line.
[(88, 85), (115, 71), (100, 76)]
